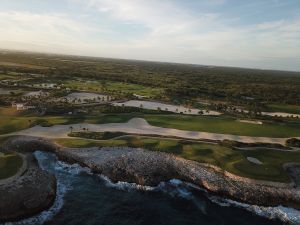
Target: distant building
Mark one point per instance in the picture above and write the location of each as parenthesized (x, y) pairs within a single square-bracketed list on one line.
[(248, 98), (22, 106), (139, 96)]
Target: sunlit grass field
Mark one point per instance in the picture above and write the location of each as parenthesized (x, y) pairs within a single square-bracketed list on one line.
[(225, 125), (294, 109), (231, 160)]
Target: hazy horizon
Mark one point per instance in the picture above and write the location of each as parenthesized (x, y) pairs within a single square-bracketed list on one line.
[(261, 34), (140, 60)]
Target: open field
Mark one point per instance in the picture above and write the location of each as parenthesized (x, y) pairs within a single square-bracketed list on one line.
[(234, 161), (224, 125), (13, 64), (293, 109), (10, 163)]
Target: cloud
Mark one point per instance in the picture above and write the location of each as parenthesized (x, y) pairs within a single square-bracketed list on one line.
[(42, 32), (168, 31)]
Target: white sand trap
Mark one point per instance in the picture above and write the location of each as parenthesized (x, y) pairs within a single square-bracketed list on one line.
[(140, 126), (36, 94), (251, 122), (46, 85), (165, 107), (86, 96), (254, 160)]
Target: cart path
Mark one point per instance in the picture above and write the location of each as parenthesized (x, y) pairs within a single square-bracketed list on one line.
[(139, 126)]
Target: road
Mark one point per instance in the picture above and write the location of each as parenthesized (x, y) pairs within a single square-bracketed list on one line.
[(139, 126)]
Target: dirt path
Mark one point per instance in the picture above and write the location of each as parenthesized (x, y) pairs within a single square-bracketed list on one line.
[(139, 126)]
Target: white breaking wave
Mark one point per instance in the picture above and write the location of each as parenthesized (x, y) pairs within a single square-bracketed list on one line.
[(63, 186), (48, 214), (125, 186), (284, 214), (174, 187)]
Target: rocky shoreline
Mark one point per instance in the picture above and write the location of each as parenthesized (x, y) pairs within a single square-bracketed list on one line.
[(28, 194), (150, 168)]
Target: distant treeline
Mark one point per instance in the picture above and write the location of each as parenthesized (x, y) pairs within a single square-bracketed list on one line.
[(178, 80)]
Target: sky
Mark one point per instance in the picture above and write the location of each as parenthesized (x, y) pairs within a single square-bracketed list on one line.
[(257, 34)]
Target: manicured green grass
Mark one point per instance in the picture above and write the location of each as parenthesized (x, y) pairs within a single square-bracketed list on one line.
[(112, 118), (234, 161), (285, 108), (12, 124), (224, 125), (10, 163), (12, 120)]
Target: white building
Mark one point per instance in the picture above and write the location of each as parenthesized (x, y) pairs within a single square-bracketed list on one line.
[(22, 106)]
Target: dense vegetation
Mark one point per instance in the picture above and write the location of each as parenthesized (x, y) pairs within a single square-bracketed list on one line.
[(164, 80), (240, 94), (293, 142), (96, 135)]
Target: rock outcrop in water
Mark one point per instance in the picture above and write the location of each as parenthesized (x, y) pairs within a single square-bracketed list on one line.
[(150, 168), (27, 195)]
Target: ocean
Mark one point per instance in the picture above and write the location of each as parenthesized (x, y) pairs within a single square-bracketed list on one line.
[(86, 198)]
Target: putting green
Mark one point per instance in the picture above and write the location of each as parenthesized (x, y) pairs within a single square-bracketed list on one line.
[(10, 163)]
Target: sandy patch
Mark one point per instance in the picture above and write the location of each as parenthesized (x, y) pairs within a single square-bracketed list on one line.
[(254, 160), (251, 122), (165, 107)]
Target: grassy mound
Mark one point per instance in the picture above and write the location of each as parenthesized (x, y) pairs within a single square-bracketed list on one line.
[(10, 163)]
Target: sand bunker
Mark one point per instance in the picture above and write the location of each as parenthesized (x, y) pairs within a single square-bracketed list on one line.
[(36, 94), (166, 107), (251, 122), (254, 160), (80, 97)]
